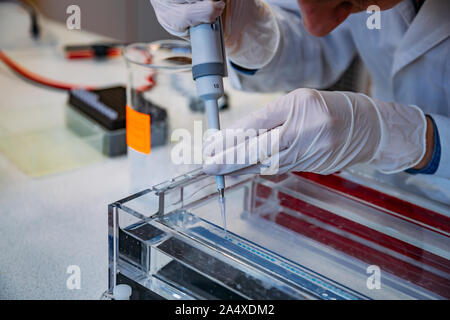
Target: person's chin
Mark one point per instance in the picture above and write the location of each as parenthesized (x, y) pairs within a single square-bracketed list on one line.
[(319, 31)]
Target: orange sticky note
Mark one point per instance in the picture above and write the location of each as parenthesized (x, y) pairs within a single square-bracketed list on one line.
[(138, 131)]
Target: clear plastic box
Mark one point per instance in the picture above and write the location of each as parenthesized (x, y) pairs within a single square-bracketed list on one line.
[(293, 236)]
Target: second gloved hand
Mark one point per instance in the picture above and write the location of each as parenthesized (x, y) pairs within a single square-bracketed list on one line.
[(251, 33), (321, 132)]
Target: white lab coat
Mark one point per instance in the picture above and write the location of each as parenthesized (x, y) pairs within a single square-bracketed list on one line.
[(408, 60)]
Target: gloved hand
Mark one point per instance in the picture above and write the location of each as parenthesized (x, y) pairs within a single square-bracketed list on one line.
[(251, 33), (321, 132), (176, 16)]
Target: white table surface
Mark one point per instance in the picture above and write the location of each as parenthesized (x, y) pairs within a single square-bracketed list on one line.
[(52, 222)]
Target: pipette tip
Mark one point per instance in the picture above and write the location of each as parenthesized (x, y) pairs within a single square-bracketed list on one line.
[(221, 193)]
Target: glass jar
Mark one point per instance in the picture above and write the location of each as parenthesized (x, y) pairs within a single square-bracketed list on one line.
[(159, 83)]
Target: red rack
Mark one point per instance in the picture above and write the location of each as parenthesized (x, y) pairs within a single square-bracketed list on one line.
[(374, 247)]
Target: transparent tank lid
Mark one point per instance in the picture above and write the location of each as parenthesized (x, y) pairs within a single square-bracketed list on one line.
[(293, 236)]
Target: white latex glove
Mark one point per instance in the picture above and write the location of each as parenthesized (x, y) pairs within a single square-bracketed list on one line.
[(176, 16), (251, 33), (322, 132)]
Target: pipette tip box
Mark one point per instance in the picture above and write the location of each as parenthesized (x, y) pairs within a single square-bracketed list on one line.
[(104, 111)]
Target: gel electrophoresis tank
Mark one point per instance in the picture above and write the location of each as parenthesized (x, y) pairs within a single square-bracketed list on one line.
[(293, 236)]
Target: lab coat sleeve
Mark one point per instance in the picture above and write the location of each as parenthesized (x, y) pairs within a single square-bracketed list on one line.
[(443, 127), (301, 60)]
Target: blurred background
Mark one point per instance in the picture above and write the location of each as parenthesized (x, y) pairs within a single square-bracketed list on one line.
[(123, 20)]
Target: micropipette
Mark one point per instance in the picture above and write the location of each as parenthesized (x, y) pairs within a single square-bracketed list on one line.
[(208, 70)]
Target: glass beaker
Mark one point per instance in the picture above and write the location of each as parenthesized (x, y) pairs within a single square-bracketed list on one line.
[(159, 84)]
